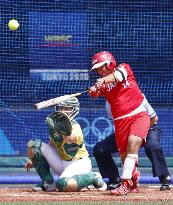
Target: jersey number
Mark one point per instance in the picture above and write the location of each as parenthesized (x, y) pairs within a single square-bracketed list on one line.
[(126, 84)]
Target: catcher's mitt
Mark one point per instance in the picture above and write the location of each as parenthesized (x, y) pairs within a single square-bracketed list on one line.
[(60, 122)]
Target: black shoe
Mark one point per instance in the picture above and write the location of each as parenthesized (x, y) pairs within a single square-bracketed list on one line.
[(165, 181), (44, 187), (114, 184), (165, 187)]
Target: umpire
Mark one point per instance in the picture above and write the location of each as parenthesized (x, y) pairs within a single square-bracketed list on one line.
[(104, 149)]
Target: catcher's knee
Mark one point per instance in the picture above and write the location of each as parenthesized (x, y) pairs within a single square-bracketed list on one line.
[(34, 148), (67, 184)]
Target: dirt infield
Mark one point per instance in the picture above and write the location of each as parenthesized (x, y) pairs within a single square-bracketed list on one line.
[(147, 193)]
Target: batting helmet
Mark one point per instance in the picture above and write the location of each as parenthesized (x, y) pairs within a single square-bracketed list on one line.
[(103, 58), (70, 103)]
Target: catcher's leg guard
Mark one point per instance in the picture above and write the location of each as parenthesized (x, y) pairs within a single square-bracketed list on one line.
[(99, 182), (39, 162), (78, 182), (67, 184), (34, 148)]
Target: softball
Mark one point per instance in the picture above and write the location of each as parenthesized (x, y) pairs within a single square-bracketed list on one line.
[(13, 24)]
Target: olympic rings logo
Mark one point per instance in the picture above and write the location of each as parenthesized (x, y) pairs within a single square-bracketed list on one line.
[(100, 128)]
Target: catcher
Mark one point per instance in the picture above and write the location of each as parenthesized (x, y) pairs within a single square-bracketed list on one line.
[(65, 153)]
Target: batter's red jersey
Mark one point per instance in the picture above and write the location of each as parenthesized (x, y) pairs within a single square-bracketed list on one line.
[(124, 97)]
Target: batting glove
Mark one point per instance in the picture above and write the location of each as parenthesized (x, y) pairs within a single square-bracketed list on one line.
[(100, 83), (94, 92)]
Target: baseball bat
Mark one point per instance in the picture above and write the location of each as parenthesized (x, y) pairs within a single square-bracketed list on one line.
[(54, 101)]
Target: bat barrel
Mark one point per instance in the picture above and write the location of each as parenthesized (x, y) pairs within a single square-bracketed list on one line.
[(54, 101)]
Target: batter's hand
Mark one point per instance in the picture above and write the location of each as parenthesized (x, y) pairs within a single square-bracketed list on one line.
[(94, 92), (100, 83)]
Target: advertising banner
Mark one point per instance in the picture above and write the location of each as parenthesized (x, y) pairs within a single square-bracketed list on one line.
[(58, 46)]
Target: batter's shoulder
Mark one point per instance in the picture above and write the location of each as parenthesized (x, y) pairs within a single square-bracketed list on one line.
[(127, 67), (124, 65)]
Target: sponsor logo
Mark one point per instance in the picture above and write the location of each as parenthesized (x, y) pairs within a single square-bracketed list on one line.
[(56, 38)]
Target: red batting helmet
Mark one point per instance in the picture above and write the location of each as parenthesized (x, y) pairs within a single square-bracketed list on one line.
[(101, 58)]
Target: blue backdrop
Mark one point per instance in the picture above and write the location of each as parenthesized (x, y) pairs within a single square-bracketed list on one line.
[(50, 55)]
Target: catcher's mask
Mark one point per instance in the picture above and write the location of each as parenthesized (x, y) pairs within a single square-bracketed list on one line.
[(71, 107)]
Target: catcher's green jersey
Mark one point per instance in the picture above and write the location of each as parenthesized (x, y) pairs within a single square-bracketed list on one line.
[(70, 151)]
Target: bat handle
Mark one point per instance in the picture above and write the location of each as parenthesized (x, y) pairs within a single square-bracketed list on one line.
[(78, 94), (84, 92)]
